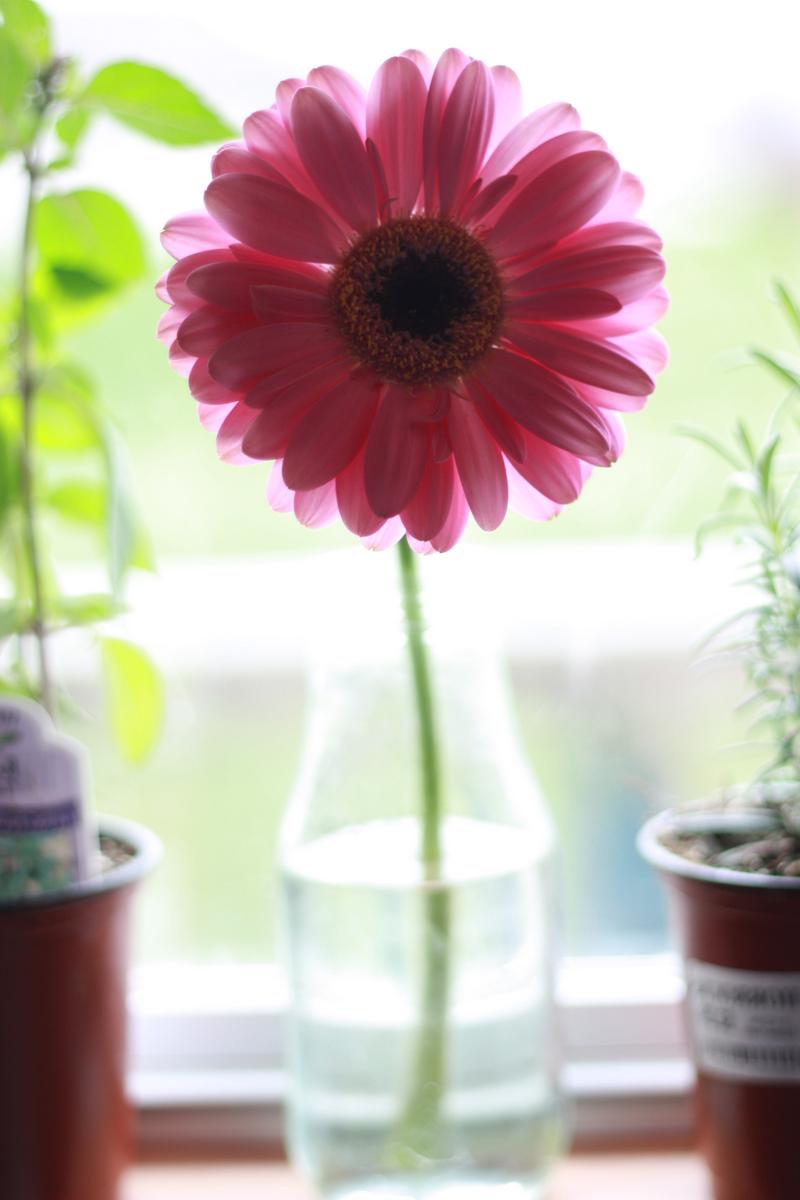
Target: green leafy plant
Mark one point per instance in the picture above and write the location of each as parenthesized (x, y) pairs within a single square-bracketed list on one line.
[(761, 509), (62, 469)]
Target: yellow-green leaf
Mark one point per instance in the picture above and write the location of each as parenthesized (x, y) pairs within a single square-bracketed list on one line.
[(154, 103), (135, 697)]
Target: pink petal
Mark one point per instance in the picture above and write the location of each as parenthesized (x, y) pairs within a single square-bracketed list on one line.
[(161, 287), (180, 361), (525, 500), (422, 63), (480, 464), (557, 474), (205, 389), (170, 322), (284, 94), (624, 202), (351, 496), (563, 304), (646, 347), (274, 303), (626, 271), (231, 432), (554, 204), (229, 284), (395, 114), (382, 197), (616, 435), (212, 416), (426, 512), (602, 398), (638, 315), (330, 435), (388, 535), (615, 233), (505, 431), (273, 218), (486, 199), (314, 367), (507, 103), (456, 520), (581, 358), (238, 160), (531, 131), (190, 233), (396, 454), (317, 507), (445, 75), (554, 150), (280, 413), (543, 403), (266, 350), (206, 329), (266, 135), (346, 91), (466, 128), (278, 495), (334, 156), (177, 284)]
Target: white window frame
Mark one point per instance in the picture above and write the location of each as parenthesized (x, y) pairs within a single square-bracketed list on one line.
[(207, 1061)]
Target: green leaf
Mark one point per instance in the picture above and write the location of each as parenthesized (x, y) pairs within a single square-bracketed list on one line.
[(86, 610), (705, 439), (156, 104), (10, 621), (135, 697), (64, 419), (9, 456), (79, 500), (72, 126), (87, 244), (789, 306), (766, 459), (27, 24), (14, 79), (120, 513), (784, 372)]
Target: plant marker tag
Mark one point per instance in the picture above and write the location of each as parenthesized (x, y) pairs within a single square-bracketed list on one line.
[(745, 1024), (43, 836)]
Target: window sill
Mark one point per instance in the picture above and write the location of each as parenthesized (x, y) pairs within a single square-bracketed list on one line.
[(628, 1176), (208, 1069)]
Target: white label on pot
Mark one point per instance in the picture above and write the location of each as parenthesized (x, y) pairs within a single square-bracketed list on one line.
[(745, 1024), (42, 829)]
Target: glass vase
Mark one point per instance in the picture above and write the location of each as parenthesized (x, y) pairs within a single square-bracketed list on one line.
[(422, 1053)]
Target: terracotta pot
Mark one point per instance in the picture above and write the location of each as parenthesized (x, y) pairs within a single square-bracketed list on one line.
[(740, 935), (64, 1119)]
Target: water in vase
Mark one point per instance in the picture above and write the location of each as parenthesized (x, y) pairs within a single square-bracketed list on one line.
[(355, 907)]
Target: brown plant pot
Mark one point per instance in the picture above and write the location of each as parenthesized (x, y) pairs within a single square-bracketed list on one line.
[(740, 936), (64, 1119)]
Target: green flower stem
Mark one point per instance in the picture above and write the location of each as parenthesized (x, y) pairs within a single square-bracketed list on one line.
[(27, 395), (418, 1134)]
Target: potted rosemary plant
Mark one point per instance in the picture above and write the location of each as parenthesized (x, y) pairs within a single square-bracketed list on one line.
[(66, 881), (731, 862)]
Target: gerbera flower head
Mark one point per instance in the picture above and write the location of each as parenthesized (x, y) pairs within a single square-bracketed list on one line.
[(419, 302)]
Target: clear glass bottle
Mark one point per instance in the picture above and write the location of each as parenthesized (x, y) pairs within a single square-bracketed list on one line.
[(385, 1100)]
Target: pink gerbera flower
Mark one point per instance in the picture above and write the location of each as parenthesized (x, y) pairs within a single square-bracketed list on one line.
[(416, 301)]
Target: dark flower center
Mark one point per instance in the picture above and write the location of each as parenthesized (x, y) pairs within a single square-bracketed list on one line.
[(419, 300)]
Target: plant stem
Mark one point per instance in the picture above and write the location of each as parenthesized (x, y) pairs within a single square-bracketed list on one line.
[(27, 393), (418, 1135)]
